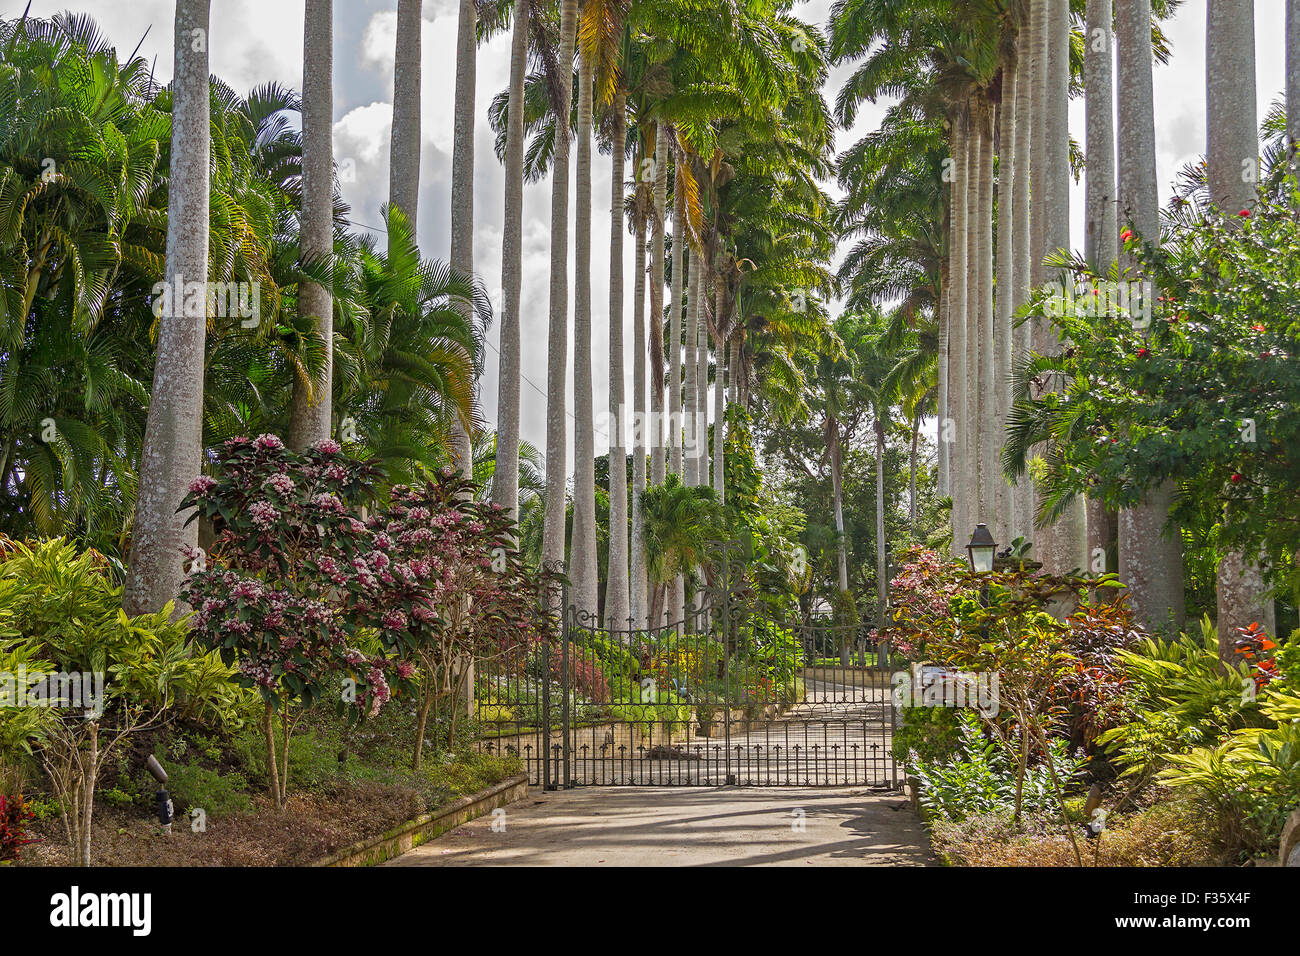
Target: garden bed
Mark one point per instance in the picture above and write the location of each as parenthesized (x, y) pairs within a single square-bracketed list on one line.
[(318, 827)]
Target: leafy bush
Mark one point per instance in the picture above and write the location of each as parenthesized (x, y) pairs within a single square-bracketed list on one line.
[(192, 785), (67, 609), (982, 779), (14, 816), (929, 734), (1178, 696)]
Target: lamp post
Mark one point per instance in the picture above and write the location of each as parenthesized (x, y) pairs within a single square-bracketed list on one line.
[(981, 549)]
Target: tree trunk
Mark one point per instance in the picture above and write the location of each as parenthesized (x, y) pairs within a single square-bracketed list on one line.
[(882, 572), (690, 412), (841, 542), (674, 353), (719, 418), (702, 384), (462, 194), (637, 578), (986, 406), (1293, 82), (658, 431), (1062, 546), (911, 477), (171, 456), (1006, 244), (404, 147), (1150, 560), (1101, 230), (505, 479), (582, 547), (957, 332), (310, 414), (617, 608), (1232, 172), (557, 347), (975, 503), (1028, 222)]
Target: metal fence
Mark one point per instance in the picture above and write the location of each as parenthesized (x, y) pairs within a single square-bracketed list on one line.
[(728, 695)]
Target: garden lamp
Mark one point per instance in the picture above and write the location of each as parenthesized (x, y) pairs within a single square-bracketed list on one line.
[(981, 549)]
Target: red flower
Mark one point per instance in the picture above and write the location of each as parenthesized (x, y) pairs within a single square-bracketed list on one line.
[(1258, 328), (1143, 353), (1236, 478), (1126, 235), (1244, 214)]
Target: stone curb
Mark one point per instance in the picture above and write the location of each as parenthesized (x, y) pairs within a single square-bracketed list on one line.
[(425, 827)]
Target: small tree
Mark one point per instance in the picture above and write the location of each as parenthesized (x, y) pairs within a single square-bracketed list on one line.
[(94, 677)]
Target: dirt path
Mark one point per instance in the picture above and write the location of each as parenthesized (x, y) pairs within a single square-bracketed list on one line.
[(688, 826)]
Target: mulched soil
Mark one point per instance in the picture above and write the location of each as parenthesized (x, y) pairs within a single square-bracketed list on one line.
[(313, 826)]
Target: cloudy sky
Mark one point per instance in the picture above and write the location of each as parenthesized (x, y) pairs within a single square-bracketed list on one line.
[(255, 41)]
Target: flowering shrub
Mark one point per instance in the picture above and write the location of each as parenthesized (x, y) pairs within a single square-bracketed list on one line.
[(317, 588)]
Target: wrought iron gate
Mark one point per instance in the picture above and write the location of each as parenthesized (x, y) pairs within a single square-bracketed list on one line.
[(729, 695)]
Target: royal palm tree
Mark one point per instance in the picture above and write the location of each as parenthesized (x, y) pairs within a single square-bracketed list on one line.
[(1101, 247), (404, 147), (582, 547), (1150, 551), (505, 486), (1232, 157), (310, 420), (462, 185), (553, 536), (170, 457)]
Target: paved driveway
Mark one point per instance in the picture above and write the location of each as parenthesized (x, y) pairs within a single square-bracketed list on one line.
[(687, 826)]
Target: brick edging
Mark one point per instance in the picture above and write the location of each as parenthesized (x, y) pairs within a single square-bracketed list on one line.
[(425, 827)]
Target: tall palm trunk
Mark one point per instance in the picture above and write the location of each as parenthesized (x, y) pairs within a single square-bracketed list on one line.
[(1293, 82), (719, 390), (1150, 559), (1233, 150), (638, 582), (658, 431), (986, 407), (690, 443), (557, 346), (882, 573), (173, 439), (505, 479), (675, 329), (911, 475), (404, 145), (617, 609), (1006, 244), (582, 548), (462, 192), (974, 301), (702, 385), (837, 495), (943, 312), (1101, 235), (310, 412), (1062, 545), (957, 245), (1027, 72)]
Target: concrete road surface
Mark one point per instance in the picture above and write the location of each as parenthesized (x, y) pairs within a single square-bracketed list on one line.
[(688, 826)]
